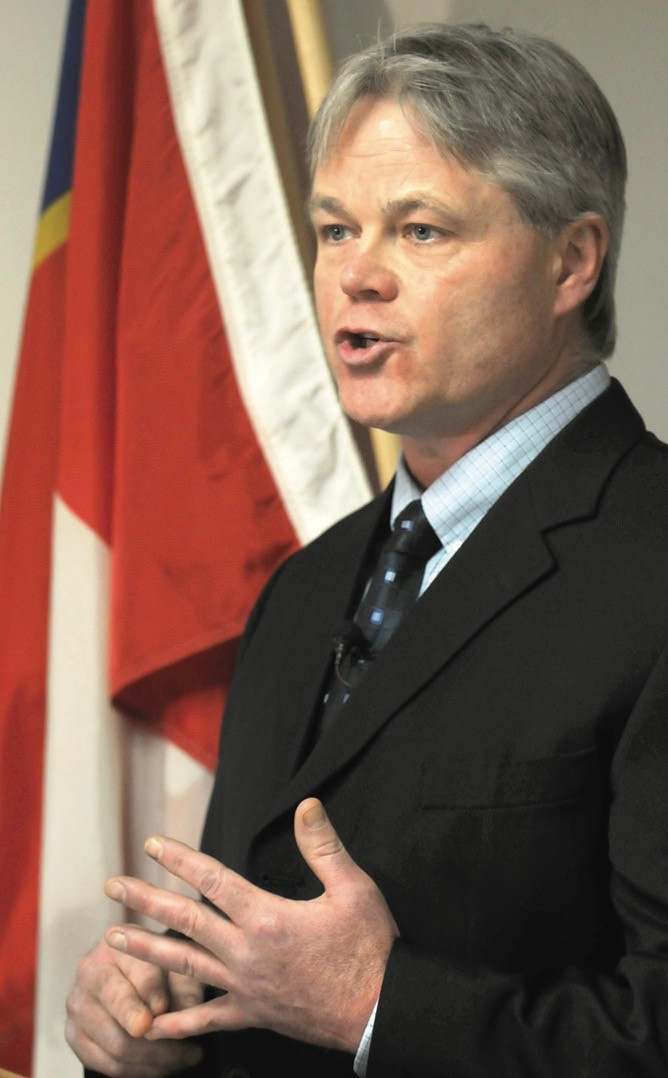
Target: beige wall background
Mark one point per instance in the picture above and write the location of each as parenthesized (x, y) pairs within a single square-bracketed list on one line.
[(624, 43)]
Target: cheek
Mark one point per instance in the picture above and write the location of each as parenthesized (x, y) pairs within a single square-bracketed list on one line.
[(322, 281), (323, 307), (502, 313)]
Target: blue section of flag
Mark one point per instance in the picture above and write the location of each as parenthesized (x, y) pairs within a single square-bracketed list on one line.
[(61, 154)]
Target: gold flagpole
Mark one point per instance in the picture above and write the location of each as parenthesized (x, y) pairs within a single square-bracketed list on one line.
[(272, 95), (315, 65)]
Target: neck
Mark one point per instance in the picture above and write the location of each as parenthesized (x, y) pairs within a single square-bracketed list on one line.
[(431, 454), (428, 458)]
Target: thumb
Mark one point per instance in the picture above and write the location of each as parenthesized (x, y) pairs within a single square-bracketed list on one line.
[(321, 847)]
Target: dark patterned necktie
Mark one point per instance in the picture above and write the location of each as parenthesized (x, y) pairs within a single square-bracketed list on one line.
[(392, 590)]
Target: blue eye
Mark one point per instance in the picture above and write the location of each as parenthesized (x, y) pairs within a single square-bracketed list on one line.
[(335, 233), (422, 233)]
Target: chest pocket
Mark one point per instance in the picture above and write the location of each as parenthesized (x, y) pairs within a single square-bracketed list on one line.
[(493, 784)]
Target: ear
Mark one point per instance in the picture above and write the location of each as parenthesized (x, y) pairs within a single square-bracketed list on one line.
[(582, 246)]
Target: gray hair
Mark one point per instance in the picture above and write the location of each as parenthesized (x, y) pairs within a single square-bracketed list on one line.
[(521, 110)]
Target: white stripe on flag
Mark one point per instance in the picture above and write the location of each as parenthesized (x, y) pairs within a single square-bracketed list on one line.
[(277, 354), (108, 784), (81, 819)]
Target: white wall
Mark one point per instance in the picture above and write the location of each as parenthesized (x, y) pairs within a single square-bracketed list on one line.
[(623, 42), (32, 35)]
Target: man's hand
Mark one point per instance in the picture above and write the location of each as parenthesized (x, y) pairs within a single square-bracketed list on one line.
[(112, 1006), (310, 970)]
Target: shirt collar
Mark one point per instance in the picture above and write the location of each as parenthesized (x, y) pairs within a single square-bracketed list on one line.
[(456, 502)]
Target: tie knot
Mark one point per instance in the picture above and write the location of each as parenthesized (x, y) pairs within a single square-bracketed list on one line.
[(412, 533)]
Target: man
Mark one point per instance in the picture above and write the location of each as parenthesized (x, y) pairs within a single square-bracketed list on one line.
[(494, 899)]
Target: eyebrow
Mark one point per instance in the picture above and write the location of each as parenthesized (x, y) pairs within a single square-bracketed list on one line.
[(400, 207), (396, 207), (326, 205)]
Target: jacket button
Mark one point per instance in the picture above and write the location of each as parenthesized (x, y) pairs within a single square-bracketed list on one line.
[(235, 1070)]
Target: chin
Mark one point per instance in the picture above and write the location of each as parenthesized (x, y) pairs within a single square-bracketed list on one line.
[(372, 413), (376, 419)]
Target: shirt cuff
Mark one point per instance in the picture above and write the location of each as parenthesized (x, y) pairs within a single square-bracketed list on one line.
[(362, 1057)]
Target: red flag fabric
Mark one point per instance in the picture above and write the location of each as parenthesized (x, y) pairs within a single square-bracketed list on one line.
[(25, 545), (156, 472)]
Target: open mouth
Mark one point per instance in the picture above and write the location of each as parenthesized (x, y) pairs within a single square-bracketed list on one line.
[(362, 340), (361, 348), (357, 340)]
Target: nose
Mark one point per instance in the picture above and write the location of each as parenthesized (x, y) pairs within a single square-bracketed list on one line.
[(366, 276)]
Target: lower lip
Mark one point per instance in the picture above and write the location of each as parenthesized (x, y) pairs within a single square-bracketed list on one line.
[(365, 357)]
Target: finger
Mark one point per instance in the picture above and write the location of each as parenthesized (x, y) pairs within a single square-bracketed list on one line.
[(224, 1013), (177, 955), (321, 847), (100, 1043), (185, 992), (149, 982), (187, 916), (222, 887), (102, 979)]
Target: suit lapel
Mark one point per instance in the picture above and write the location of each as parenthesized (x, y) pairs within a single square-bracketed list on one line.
[(500, 561), (342, 571), (504, 557)]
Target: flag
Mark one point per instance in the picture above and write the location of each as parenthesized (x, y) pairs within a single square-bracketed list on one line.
[(175, 435)]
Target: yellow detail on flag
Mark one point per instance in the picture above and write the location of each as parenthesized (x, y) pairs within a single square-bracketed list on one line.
[(53, 228)]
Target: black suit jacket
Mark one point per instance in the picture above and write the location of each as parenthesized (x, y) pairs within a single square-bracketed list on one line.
[(501, 773)]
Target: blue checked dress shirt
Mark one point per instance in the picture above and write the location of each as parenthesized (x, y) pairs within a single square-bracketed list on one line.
[(458, 500)]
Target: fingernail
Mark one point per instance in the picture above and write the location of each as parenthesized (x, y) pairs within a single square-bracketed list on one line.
[(117, 940), (153, 847), (314, 817), (114, 889)]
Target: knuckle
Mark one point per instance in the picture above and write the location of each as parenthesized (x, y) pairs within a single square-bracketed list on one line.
[(189, 965), (186, 917), (145, 977), (86, 967), (71, 1033), (264, 924), (73, 1003), (210, 884), (93, 964), (330, 846)]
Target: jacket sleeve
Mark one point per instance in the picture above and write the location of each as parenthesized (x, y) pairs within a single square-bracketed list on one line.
[(441, 1016)]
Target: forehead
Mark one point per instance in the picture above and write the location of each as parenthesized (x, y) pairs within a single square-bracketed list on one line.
[(382, 155), (375, 126)]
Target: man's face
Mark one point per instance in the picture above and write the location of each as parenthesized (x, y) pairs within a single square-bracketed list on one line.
[(436, 302)]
